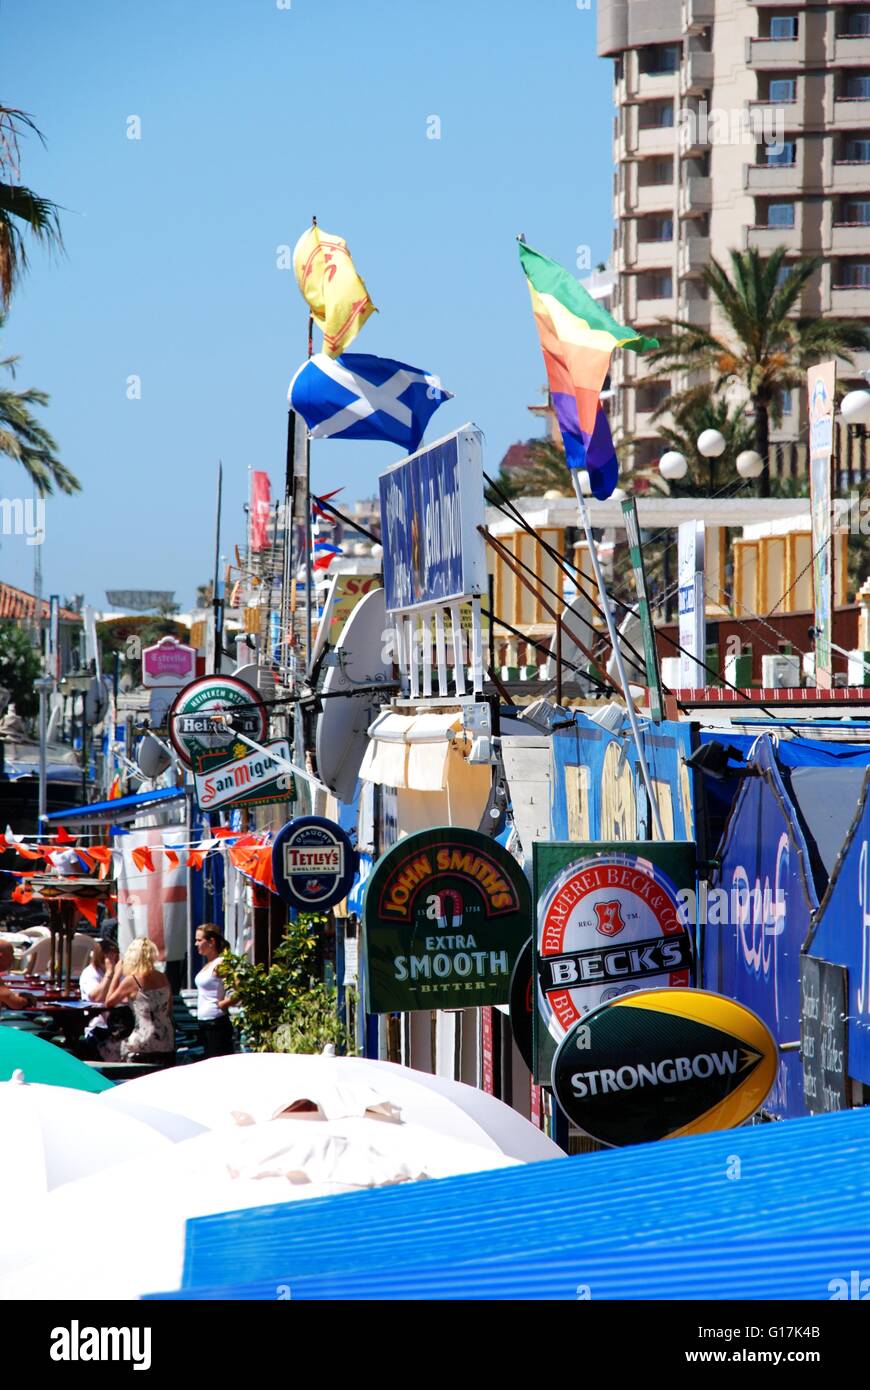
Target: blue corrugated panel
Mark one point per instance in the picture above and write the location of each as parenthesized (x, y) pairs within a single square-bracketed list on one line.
[(771, 1211)]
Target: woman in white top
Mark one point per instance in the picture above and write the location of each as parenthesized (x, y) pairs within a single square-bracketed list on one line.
[(212, 1000)]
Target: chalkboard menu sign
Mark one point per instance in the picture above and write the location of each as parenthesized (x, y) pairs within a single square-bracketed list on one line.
[(824, 995)]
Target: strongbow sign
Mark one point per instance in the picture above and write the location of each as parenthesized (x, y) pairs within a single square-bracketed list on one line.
[(662, 1063), (252, 780), (197, 719), (609, 922), (445, 916), (313, 863)]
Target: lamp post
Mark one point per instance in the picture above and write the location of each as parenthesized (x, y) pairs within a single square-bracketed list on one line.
[(44, 686)]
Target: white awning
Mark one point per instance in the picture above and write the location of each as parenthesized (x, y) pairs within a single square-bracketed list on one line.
[(410, 750), (429, 739)]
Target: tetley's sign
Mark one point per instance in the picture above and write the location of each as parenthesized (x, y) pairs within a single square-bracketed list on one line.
[(446, 914)]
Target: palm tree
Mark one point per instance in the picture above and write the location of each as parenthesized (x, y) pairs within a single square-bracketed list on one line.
[(767, 349), (27, 442), (20, 208)]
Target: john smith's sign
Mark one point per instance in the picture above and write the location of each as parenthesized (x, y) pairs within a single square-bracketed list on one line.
[(446, 914)]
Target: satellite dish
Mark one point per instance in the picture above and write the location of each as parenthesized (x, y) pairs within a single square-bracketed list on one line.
[(96, 701), (262, 678), (631, 630), (152, 757), (341, 735), (578, 617)]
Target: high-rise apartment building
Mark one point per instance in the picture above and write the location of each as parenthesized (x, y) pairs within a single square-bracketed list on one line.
[(738, 123)]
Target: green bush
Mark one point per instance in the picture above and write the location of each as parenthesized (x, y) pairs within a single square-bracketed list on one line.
[(283, 1007)]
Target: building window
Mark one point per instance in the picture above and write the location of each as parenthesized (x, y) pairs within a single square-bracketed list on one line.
[(780, 215), (662, 286), (854, 275), (664, 114), (786, 401), (655, 114), (857, 149), (659, 59), (783, 153), (657, 229), (782, 90), (855, 23), (856, 87), (784, 26), (856, 213), (782, 274)]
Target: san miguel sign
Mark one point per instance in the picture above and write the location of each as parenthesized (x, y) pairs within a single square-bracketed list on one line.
[(662, 1063), (610, 921), (252, 780), (446, 913)]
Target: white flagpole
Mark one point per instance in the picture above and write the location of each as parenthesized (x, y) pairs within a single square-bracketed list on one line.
[(614, 641)]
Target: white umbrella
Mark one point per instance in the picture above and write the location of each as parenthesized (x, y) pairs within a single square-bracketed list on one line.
[(230, 1169), (54, 1135), (260, 1085)]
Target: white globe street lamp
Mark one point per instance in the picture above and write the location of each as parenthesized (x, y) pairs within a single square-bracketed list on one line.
[(711, 444), (673, 466), (855, 408), (749, 463)]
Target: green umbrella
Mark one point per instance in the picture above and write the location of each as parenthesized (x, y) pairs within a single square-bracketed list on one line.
[(42, 1061)]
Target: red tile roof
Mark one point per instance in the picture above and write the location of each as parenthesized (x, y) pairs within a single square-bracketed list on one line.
[(17, 603)]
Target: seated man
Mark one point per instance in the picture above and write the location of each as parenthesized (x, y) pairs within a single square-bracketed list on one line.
[(8, 997)]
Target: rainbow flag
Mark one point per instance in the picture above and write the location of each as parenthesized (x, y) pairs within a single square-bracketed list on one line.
[(577, 339)]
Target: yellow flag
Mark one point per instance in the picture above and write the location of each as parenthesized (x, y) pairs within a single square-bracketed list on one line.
[(327, 277)]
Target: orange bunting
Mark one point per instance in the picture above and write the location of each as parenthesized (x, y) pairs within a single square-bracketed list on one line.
[(22, 894), (142, 858), (195, 858), (64, 837), (172, 858), (88, 909)]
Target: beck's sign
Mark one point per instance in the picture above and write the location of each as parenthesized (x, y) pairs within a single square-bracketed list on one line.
[(313, 863), (252, 780), (663, 1063), (609, 922), (446, 914)]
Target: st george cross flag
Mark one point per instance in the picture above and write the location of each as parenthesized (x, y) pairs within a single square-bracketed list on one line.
[(577, 339), (152, 904), (356, 396)]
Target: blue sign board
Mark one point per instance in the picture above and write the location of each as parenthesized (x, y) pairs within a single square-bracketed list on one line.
[(313, 863), (431, 507)]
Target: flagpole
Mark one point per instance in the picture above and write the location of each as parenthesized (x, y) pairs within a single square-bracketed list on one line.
[(309, 627), (617, 653), (217, 602)]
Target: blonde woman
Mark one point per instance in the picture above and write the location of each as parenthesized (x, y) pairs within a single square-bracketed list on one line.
[(137, 981)]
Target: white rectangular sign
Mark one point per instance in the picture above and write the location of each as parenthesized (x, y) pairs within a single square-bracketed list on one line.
[(692, 623), (240, 778)]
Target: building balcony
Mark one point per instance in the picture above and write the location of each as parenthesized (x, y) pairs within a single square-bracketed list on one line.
[(651, 197), (653, 86), (849, 177), (767, 239), (649, 255), (774, 178), (694, 311), (849, 239), (658, 140), (693, 255), (859, 367), (848, 301), (696, 74), (847, 114), (769, 117), (648, 312), (849, 51), (698, 15), (695, 197), (645, 427), (775, 54)]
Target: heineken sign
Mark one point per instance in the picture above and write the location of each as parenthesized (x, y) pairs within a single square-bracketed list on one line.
[(313, 863), (446, 914), (610, 921), (196, 732), (663, 1063)]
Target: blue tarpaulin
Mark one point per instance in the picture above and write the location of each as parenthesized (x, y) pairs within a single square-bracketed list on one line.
[(121, 808), (767, 1212)]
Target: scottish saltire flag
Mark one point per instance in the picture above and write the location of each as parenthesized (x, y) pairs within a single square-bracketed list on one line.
[(360, 397), (577, 339)]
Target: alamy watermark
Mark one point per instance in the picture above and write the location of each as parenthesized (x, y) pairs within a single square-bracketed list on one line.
[(23, 516), (718, 125)]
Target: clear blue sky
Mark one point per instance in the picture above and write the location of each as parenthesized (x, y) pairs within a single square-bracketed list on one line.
[(253, 118)]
